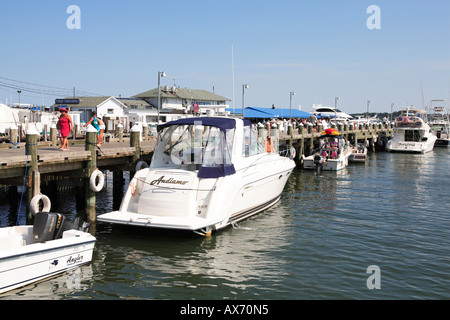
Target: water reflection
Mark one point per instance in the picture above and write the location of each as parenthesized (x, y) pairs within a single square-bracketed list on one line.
[(236, 260), (66, 285)]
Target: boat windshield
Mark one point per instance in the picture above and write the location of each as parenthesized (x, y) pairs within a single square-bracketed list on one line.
[(195, 147)]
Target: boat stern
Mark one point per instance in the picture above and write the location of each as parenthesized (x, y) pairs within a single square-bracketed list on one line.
[(171, 199)]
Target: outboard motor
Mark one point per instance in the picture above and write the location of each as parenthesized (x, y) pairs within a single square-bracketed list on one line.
[(48, 226), (318, 162)]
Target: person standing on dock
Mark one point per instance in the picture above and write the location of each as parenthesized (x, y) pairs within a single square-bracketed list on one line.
[(95, 123), (101, 130), (65, 126)]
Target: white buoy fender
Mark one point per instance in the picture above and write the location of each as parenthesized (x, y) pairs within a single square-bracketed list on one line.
[(293, 153), (34, 204), (93, 185), (141, 165)]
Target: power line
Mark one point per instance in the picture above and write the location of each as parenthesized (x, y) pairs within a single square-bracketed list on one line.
[(59, 92)]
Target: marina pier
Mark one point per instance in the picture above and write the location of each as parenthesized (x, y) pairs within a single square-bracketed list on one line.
[(39, 164), (305, 138)]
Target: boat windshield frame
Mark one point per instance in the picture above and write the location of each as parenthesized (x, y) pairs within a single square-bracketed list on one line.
[(203, 144)]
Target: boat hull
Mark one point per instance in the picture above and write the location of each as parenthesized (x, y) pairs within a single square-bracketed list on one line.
[(411, 147), (329, 165), (442, 143), (25, 264), (358, 157)]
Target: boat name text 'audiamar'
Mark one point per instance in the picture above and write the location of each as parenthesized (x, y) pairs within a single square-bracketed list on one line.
[(170, 180)]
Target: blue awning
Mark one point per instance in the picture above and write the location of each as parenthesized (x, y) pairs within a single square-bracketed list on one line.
[(265, 113)]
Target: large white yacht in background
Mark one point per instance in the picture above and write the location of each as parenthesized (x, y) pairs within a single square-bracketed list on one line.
[(440, 125), (412, 133), (329, 112), (206, 173)]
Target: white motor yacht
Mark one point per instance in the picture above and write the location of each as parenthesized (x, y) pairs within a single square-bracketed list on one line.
[(206, 173), (322, 111), (332, 155), (440, 125), (34, 252), (412, 133)]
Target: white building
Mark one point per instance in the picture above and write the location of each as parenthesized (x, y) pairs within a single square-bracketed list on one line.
[(103, 106), (185, 100), (176, 103)]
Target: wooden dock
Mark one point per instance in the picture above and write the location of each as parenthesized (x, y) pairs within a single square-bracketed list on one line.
[(52, 161), (34, 163)]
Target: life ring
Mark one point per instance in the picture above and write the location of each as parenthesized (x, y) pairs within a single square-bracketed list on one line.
[(34, 204), (141, 165), (93, 185), (293, 153)]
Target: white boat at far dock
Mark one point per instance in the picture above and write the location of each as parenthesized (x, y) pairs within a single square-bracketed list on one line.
[(412, 133), (332, 155), (440, 125), (359, 153)]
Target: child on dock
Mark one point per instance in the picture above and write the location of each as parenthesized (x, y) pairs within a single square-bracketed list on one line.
[(99, 125)]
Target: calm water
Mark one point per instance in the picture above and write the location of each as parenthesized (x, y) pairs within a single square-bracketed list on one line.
[(316, 243)]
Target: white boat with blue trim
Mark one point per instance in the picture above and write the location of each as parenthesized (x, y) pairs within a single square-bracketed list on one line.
[(206, 173)]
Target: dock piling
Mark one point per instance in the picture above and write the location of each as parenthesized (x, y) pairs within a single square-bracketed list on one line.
[(54, 135), (91, 166), (32, 176), (135, 143)]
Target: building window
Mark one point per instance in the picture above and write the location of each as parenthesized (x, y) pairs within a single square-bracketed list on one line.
[(110, 111)]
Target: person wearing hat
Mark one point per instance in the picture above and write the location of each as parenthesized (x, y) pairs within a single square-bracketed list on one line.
[(65, 125)]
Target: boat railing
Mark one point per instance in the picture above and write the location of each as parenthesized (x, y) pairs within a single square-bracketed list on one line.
[(408, 122)]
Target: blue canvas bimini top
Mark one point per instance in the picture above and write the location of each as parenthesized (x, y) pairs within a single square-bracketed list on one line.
[(221, 123)]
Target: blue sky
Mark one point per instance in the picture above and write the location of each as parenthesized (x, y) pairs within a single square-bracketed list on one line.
[(319, 49)]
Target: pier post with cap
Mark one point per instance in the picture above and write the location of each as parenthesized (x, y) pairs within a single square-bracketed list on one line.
[(135, 142), (91, 166), (119, 132), (32, 176), (14, 136), (53, 134), (145, 131)]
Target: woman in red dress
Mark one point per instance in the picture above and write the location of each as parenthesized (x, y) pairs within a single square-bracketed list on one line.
[(65, 126)]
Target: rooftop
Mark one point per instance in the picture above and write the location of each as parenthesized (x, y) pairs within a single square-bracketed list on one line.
[(180, 93)]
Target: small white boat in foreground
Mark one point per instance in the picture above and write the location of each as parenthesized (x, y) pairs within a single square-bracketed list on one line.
[(31, 253), (206, 173), (412, 133), (332, 155)]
